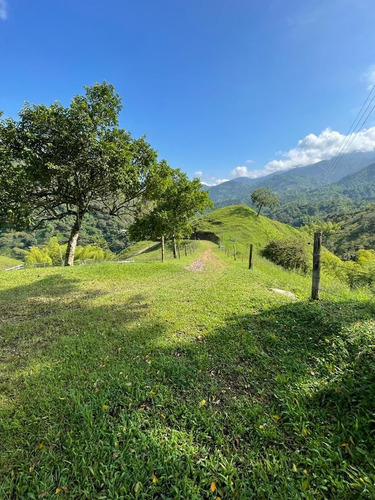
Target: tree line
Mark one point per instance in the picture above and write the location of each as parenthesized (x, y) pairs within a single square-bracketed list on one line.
[(63, 163)]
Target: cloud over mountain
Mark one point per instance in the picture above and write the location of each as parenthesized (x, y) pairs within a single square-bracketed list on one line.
[(311, 149)]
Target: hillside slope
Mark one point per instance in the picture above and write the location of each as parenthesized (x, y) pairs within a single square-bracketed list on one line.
[(357, 231), (239, 225), (148, 380)]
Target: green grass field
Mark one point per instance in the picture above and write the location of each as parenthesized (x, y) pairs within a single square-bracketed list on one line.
[(149, 380), (7, 262)]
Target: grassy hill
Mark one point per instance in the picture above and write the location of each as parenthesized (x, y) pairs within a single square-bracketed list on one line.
[(241, 224), (7, 262), (150, 380)]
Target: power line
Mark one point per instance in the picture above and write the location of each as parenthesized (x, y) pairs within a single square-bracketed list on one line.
[(351, 134)]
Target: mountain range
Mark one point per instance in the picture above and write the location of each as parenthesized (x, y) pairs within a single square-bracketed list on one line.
[(308, 194), (300, 180)]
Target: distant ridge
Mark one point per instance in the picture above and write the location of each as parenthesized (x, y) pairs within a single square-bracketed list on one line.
[(298, 179)]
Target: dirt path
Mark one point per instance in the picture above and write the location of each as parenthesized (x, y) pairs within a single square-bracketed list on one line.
[(207, 257)]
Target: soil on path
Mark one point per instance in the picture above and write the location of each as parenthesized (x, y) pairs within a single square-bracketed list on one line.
[(207, 257)]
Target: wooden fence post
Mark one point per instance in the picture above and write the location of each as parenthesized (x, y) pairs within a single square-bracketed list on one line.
[(316, 265), (251, 257), (162, 249)]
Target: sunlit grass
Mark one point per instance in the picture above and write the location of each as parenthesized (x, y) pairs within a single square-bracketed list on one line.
[(147, 380)]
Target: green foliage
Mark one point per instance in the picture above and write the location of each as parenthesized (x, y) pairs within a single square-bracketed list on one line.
[(365, 257), (174, 211), (97, 229), (326, 228), (92, 252), (60, 162), (357, 232), (53, 253), (290, 253), (264, 197), (38, 256)]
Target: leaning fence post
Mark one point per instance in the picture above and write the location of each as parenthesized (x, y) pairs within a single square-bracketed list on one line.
[(316, 265), (251, 257)]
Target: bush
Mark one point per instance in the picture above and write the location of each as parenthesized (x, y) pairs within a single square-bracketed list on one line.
[(37, 256), (290, 253)]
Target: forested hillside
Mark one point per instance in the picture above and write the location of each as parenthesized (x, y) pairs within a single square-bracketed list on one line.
[(102, 230), (293, 182)]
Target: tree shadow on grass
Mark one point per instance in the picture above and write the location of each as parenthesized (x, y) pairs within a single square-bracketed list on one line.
[(202, 408), (36, 318), (302, 376)]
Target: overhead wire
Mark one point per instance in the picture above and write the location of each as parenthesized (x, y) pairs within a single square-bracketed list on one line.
[(352, 133)]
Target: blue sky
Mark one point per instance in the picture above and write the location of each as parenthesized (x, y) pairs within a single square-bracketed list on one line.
[(220, 87)]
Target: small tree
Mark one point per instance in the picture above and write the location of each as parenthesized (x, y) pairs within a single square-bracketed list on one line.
[(172, 215), (58, 162), (264, 197)]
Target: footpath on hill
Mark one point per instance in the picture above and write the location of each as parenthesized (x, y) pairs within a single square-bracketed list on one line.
[(207, 257)]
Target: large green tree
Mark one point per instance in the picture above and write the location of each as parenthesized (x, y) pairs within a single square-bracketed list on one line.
[(58, 162), (172, 215), (264, 197)]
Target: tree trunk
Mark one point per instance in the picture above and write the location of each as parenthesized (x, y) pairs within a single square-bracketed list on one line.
[(162, 249), (174, 248), (72, 243), (260, 208)]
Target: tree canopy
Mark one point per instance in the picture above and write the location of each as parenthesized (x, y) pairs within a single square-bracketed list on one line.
[(264, 197), (172, 214), (58, 162)]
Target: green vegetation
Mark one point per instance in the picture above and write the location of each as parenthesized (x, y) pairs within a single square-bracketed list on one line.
[(6, 262), (356, 231), (146, 380), (137, 249), (264, 197), (53, 253), (239, 225), (291, 253), (343, 201), (172, 216), (97, 229), (65, 162)]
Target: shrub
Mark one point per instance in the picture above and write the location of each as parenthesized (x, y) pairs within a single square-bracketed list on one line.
[(37, 256), (290, 253)]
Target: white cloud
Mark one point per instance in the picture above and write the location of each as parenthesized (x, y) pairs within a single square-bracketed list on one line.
[(241, 171), (198, 174), (211, 181), (3, 10), (314, 148), (249, 161)]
